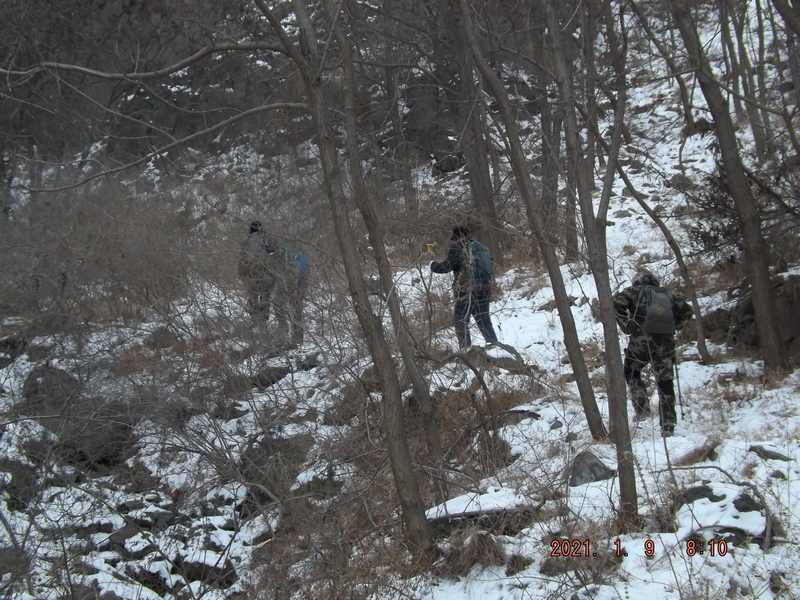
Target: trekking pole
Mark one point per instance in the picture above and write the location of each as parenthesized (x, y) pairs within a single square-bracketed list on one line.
[(677, 380)]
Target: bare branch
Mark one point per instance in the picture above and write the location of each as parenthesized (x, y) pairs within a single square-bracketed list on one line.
[(171, 146), (134, 75)]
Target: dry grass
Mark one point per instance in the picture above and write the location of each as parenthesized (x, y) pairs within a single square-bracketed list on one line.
[(469, 548)]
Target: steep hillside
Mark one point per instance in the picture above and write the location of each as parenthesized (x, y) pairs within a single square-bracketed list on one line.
[(191, 458)]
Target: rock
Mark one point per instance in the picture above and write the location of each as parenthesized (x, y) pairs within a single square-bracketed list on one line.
[(161, 338), (738, 326), (515, 416), (236, 385), (587, 468), (745, 503), (127, 506), (37, 352), (23, 485), (701, 491), (308, 362), (11, 348), (48, 390), (12, 561), (623, 214), (269, 376), (776, 474), (91, 432), (157, 519), (151, 581), (768, 454), (192, 568), (712, 527), (227, 411), (556, 424), (681, 182), (447, 163)]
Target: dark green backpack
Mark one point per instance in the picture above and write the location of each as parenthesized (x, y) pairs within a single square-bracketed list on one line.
[(480, 261), (655, 304)]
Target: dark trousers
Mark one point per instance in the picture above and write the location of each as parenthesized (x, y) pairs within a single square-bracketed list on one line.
[(657, 350), (473, 303)]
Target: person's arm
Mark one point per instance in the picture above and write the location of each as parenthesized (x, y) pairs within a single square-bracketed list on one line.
[(623, 308), (453, 262)]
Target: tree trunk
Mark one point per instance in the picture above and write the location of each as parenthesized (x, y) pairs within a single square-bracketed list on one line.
[(594, 232), (571, 248), (551, 144), (761, 73), (755, 249), (467, 103), (791, 22), (376, 234), (412, 509), (748, 82), (673, 68), (731, 62), (534, 210), (402, 152)]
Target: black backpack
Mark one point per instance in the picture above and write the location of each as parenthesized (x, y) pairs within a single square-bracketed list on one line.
[(655, 308)]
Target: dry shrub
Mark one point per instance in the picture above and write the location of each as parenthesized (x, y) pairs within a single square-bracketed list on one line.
[(133, 360), (106, 256), (468, 548), (516, 564)]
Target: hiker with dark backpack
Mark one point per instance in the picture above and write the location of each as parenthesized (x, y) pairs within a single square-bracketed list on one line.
[(650, 315), (473, 273)]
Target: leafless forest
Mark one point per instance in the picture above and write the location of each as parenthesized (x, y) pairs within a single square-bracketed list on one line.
[(156, 443)]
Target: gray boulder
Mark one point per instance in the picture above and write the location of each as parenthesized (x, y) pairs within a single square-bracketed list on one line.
[(587, 468)]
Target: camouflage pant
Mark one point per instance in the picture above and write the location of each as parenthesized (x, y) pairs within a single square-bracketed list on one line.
[(657, 350), (284, 297), (259, 290), (288, 300)]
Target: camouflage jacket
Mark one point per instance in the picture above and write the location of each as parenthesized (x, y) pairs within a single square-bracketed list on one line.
[(257, 257), (630, 318)]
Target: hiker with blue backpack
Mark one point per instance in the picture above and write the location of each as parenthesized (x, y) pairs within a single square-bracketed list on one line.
[(274, 275), (650, 315), (473, 273)]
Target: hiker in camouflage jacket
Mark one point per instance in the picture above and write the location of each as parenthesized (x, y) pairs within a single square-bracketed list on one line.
[(471, 291), (646, 347), (274, 276)]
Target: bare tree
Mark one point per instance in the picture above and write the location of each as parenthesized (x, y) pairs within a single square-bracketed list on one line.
[(594, 233), (416, 525), (535, 212), (755, 248)]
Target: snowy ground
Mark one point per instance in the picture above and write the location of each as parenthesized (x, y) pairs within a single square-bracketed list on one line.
[(726, 407)]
